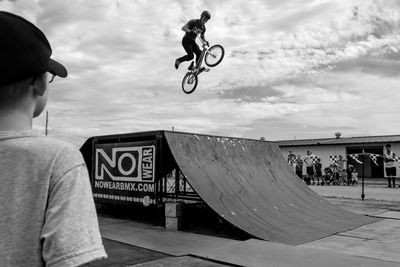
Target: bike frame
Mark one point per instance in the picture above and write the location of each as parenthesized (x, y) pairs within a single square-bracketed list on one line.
[(203, 52), (190, 79)]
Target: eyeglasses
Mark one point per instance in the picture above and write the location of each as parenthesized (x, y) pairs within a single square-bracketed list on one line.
[(50, 81), (52, 77)]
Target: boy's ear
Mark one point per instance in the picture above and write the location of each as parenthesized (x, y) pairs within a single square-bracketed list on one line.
[(39, 85)]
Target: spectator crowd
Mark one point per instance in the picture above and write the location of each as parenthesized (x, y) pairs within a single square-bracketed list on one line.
[(339, 171)]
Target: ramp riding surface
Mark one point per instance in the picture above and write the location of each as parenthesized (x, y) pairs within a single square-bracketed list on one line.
[(249, 183)]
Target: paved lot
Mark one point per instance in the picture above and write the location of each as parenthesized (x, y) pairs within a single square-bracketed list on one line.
[(381, 193), (377, 242), (185, 261), (378, 198), (120, 254), (369, 246)]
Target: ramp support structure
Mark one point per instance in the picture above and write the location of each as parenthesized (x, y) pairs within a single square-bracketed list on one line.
[(173, 215)]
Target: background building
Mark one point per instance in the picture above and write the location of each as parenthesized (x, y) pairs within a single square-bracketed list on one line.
[(328, 147)]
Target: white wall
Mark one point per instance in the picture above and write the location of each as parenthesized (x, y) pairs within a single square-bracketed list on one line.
[(322, 152)]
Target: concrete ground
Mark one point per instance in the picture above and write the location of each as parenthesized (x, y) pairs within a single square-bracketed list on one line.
[(184, 261), (379, 193), (377, 197), (379, 240), (370, 245), (120, 254)]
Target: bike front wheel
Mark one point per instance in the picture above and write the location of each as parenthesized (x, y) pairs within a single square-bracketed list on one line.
[(189, 83), (214, 55)]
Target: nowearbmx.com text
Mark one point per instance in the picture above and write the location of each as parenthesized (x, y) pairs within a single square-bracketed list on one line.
[(125, 186)]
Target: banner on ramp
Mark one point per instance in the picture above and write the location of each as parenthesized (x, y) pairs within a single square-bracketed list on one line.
[(124, 172)]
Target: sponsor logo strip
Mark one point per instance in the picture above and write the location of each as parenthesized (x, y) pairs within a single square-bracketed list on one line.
[(144, 200)]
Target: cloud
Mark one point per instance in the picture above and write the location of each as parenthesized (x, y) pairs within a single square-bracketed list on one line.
[(389, 67), (320, 46), (288, 63), (354, 102)]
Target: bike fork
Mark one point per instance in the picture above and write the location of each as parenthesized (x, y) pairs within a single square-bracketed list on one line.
[(200, 59)]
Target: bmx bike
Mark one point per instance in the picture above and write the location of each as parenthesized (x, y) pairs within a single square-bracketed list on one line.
[(212, 56)]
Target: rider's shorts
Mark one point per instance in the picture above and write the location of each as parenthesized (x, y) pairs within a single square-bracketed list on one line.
[(391, 171)]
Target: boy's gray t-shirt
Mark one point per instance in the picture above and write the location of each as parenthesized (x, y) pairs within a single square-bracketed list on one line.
[(47, 213)]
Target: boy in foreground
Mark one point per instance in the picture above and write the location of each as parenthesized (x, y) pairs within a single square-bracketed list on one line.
[(48, 216)]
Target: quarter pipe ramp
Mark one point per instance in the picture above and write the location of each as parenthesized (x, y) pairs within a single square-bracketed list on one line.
[(249, 184)]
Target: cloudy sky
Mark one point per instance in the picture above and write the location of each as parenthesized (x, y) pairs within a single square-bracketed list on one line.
[(292, 69)]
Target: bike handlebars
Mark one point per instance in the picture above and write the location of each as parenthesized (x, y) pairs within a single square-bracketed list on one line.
[(204, 43), (198, 32)]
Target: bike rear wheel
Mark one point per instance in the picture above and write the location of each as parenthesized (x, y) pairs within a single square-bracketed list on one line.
[(189, 83), (214, 55)]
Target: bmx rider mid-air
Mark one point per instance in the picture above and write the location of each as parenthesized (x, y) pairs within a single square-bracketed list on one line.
[(191, 29)]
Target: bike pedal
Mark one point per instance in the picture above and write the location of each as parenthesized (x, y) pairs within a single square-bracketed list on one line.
[(206, 69)]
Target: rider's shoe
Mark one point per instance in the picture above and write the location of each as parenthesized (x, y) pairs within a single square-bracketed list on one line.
[(191, 66), (177, 62)]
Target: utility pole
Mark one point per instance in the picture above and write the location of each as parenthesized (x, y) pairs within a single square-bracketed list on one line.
[(47, 122), (362, 188)]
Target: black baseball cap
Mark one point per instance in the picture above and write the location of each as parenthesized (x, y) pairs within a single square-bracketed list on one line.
[(24, 51)]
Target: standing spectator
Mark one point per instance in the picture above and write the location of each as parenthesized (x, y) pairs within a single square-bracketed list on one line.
[(292, 160), (48, 217), (390, 165), (299, 166), (341, 167), (341, 162), (350, 169), (308, 160), (318, 171)]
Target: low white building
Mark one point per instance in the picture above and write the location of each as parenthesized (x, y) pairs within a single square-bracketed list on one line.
[(328, 147)]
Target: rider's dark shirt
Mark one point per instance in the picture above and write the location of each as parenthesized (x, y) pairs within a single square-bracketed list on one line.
[(192, 24)]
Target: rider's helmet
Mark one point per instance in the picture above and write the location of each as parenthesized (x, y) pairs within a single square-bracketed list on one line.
[(206, 14)]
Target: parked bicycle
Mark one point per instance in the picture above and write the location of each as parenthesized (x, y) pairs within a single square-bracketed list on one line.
[(334, 175)]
